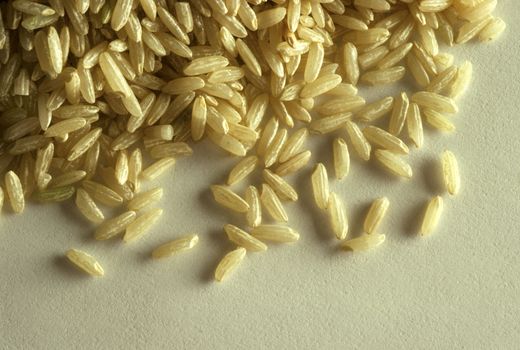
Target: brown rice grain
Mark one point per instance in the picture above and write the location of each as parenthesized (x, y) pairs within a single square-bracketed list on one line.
[(450, 171), (461, 81), (176, 246), (158, 168), (88, 207), (112, 227), (85, 262), (284, 190), (492, 30), (358, 140), (320, 86), (363, 242), (375, 110), (141, 225), (229, 264), (242, 169), (435, 102), (393, 163), (337, 216), (375, 215), (384, 139), (294, 144), (438, 120), (384, 76), (254, 213), (414, 125), (275, 233), (14, 191), (272, 204), (244, 239), (102, 193), (320, 186), (227, 198), (432, 215)]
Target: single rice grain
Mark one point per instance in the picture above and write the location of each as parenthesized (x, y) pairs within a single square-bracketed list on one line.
[(85, 262), (229, 264), (432, 215), (363, 242), (450, 172), (176, 246)]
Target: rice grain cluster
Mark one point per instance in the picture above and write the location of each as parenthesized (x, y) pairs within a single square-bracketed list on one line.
[(98, 98)]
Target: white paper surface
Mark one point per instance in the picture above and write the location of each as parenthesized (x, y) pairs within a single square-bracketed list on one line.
[(457, 289)]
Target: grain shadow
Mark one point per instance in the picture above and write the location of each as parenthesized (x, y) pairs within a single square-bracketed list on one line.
[(64, 266), (431, 174), (220, 246), (412, 221)]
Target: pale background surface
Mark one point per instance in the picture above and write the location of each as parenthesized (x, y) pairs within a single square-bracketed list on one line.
[(457, 289)]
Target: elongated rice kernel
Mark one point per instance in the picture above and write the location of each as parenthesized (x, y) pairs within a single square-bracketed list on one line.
[(337, 216), (375, 110), (248, 57), (358, 140), (432, 215), (393, 163), (14, 191), (244, 239), (293, 144), (275, 233), (145, 199), (102, 193), (176, 246), (140, 226), (198, 118), (436, 102), (414, 125), (363, 242), (450, 171), (84, 144), (341, 158), (492, 30), (229, 263), (383, 139), (112, 227), (330, 123), (375, 215), (438, 120), (320, 186), (350, 63), (280, 186), (398, 116), (383, 76), (121, 168), (229, 199), (242, 169), (88, 207), (158, 168), (320, 86), (1, 198), (85, 262), (57, 194), (272, 204), (205, 65), (461, 81), (254, 213), (275, 147)]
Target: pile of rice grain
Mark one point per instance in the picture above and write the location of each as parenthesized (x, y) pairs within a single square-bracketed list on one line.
[(97, 97)]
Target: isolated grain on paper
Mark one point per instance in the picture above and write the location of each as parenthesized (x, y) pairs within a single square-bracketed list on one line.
[(85, 262), (229, 264), (176, 246)]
